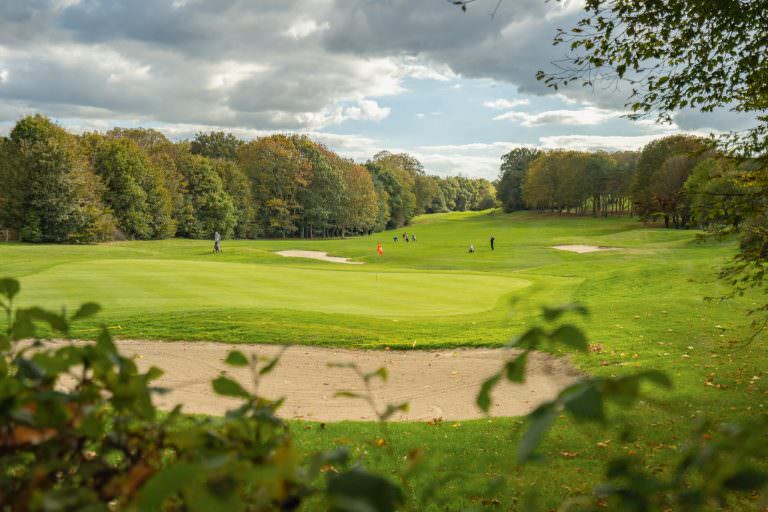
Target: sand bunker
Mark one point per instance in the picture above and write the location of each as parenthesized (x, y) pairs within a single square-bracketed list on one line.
[(438, 384), (583, 248), (318, 255)]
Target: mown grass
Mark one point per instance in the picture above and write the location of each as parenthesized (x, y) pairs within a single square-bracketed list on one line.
[(647, 304)]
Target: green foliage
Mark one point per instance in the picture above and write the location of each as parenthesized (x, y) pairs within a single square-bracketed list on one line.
[(579, 181), (686, 55), (80, 432), (662, 169), (54, 193), (134, 189), (514, 167), (709, 470), (237, 186), (215, 145), (211, 207), (136, 184)]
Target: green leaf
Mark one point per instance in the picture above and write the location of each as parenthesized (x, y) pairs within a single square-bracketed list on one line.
[(270, 366), (393, 408), (154, 373), (9, 287), (571, 336), (516, 368), (228, 387), (86, 310), (484, 396), (347, 394), (381, 373), (552, 314), (357, 490), (657, 377), (105, 342), (56, 321), (350, 366), (22, 327), (585, 403), (166, 483), (541, 420), (236, 358), (529, 339), (746, 479)]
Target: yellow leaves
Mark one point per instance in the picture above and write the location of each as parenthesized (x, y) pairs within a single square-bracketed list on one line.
[(127, 484), (22, 435), (328, 468), (435, 422), (603, 444)]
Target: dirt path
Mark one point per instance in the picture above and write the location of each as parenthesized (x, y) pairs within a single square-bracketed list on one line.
[(318, 255), (438, 384)]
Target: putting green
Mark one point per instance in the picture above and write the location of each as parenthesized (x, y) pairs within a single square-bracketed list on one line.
[(154, 286)]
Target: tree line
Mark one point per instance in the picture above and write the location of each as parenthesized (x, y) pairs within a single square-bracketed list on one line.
[(680, 180), (137, 184)]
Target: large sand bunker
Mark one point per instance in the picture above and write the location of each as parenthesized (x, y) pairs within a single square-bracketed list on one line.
[(438, 384), (583, 248), (318, 255)]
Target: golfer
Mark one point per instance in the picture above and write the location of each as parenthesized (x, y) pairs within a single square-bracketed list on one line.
[(216, 242), (493, 239), (471, 248)]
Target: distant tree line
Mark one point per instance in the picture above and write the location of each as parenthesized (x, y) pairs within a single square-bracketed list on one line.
[(137, 184), (679, 179)]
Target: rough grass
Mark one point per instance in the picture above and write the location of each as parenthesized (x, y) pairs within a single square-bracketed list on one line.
[(647, 304)]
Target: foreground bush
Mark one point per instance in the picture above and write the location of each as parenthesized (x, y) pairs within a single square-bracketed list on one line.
[(78, 431)]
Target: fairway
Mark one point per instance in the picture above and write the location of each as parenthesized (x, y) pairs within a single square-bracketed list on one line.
[(137, 285), (647, 311), (430, 293)]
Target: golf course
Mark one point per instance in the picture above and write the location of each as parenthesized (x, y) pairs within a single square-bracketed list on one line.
[(646, 296)]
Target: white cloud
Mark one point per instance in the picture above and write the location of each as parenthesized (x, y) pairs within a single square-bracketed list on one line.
[(366, 110), (584, 117), (414, 67), (474, 166), (501, 104), (597, 142), (229, 73), (305, 28)]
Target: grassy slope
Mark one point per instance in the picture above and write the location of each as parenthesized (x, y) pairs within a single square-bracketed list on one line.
[(646, 302)]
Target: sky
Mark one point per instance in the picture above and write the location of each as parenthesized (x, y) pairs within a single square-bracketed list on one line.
[(455, 89)]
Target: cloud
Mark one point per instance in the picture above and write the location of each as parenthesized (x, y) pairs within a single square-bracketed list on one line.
[(584, 117), (226, 62), (502, 104), (596, 142), (305, 28)]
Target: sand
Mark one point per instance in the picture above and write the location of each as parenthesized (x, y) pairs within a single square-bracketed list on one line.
[(583, 248), (438, 384), (318, 255)]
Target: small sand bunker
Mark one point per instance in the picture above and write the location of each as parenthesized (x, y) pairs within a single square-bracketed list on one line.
[(583, 248), (436, 383), (318, 255)]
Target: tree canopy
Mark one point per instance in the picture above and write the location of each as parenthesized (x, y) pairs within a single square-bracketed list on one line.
[(134, 183)]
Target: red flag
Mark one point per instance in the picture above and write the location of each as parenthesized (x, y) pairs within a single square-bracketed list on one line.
[(380, 250)]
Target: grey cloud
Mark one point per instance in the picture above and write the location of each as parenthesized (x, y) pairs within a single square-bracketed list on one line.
[(155, 59), (719, 120)]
